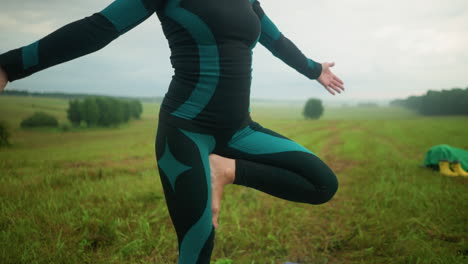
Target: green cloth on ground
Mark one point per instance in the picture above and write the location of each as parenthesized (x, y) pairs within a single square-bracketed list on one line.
[(446, 152)]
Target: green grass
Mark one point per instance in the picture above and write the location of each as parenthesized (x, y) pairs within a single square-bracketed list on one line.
[(94, 196)]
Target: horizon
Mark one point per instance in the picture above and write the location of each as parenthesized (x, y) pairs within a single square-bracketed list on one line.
[(257, 100)]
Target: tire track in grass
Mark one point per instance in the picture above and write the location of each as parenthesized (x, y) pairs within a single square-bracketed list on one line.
[(330, 228), (342, 233), (336, 162)]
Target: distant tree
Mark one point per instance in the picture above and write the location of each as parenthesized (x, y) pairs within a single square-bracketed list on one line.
[(4, 134), (313, 109), (414, 102), (74, 112), (136, 109), (39, 119), (117, 115), (90, 111), (105, 111), (126, 110)]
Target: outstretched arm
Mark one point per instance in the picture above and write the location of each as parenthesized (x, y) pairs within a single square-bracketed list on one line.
[(284, 49), (76, 39)]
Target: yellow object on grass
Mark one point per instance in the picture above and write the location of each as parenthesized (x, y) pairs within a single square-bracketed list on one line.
[(444, 168), (457, 168)]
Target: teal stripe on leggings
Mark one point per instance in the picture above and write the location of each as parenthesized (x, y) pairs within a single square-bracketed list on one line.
[(196, 237), (256, 142), (171, 166)]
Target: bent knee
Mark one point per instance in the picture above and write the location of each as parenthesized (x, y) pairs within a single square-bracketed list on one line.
[(326, 195), (325, 192)]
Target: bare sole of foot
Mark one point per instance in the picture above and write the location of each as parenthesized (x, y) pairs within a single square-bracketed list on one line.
[(222, 173)]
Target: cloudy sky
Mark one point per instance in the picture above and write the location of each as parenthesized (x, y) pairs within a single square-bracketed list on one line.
[(382, 49)]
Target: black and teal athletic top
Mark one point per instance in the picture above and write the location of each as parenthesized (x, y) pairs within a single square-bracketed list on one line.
[(211, 44)]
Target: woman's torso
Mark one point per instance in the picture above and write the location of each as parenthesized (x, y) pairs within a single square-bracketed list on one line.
[(211, 44)]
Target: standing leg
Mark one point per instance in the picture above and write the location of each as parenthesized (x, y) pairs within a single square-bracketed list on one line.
[(184, 170), (274, 164)]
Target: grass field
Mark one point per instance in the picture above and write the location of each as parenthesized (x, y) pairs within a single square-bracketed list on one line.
[(94, 196)]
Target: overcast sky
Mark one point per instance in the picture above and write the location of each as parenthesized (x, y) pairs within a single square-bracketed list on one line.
[(382, 49)]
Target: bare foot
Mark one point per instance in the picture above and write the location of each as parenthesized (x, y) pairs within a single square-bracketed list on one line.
[(222, 173)]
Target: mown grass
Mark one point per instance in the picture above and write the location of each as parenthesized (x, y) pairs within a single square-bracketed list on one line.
[(94, 196)]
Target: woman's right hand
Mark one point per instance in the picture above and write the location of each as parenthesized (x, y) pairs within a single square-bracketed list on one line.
[(329, 80), (3, 79)]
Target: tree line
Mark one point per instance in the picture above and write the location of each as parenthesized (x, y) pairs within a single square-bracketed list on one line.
[(157, 99), (103, 111), (445, 102)]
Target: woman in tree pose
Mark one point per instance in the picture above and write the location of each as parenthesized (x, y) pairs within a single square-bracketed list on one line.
[(206, 138)]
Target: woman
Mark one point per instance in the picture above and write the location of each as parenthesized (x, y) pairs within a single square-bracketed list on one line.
[(205, 138)]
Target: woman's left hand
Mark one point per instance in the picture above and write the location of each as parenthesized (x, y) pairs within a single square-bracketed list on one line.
[(329, 80)]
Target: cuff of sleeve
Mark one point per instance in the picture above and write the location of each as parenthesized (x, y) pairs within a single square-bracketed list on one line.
[(314, 69), (11, 63)]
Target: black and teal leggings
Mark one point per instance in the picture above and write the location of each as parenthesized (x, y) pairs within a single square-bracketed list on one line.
[(265, 160)]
